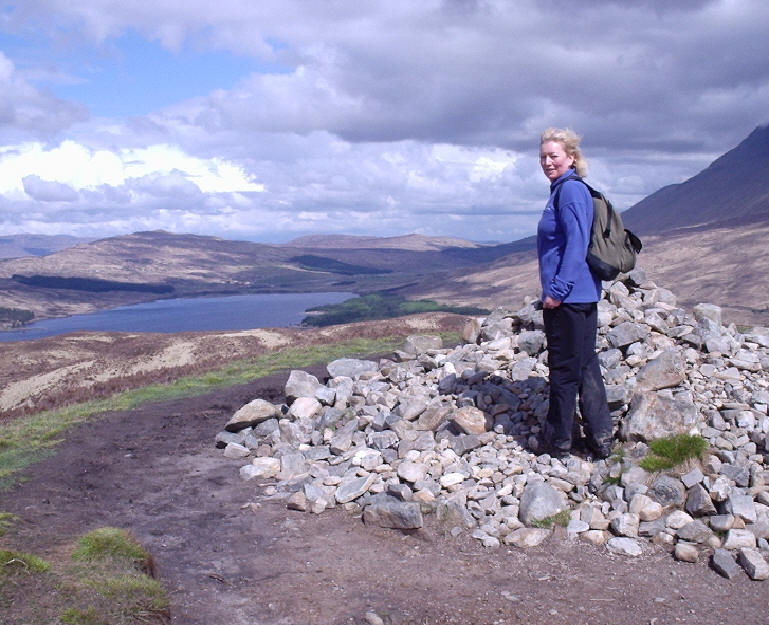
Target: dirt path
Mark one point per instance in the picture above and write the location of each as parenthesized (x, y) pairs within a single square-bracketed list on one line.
[(156, 472)]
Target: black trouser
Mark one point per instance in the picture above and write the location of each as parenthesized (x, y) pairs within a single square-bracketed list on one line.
[(574, 369)]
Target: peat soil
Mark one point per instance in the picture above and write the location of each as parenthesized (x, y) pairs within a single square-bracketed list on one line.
[(227, 553)]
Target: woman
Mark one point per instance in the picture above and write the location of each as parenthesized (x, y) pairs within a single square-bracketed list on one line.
[(570, 294)]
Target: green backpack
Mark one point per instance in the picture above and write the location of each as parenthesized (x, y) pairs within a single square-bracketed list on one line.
[(613, 248)]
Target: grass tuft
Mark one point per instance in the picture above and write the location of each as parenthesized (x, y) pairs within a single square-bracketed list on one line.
[(111, 542), (669, 452), (11, 561), (560, 518), (6, 522)]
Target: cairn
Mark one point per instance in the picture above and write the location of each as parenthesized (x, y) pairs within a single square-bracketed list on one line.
[(455, 432)]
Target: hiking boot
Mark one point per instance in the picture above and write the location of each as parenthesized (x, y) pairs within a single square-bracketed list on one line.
[(601, 451)]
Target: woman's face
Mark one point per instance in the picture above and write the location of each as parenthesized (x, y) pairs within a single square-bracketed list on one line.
[(554, 160)]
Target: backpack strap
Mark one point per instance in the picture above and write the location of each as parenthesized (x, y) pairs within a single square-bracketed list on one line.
[(593, 193)]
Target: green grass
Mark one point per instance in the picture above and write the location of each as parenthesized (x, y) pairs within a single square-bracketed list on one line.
[(380, 306), (102, 579), (667, 453), (110, 542), (11, 561), (29, 439), (6, 522)]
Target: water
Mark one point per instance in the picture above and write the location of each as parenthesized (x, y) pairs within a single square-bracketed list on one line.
[(196, 314)]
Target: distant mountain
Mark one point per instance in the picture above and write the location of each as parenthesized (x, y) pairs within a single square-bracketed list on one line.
[(17, 245), (147, 265), (735, 187), (414, 242)]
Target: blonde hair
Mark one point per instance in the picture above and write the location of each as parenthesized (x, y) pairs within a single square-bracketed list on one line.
[(570, 142)]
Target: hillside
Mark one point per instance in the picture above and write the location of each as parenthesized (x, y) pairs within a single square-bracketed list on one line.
[(414, 242), (734, 186), (146, 265)]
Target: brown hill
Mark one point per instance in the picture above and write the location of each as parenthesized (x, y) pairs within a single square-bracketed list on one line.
[(148, 265), (414, 242)]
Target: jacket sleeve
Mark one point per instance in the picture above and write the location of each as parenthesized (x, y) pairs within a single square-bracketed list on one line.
[(575, 216)]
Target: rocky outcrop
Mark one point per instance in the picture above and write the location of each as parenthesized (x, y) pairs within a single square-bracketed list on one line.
[(456, 431)]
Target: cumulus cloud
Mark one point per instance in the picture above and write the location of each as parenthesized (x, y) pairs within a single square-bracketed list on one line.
[(47, 190), (383, 118)]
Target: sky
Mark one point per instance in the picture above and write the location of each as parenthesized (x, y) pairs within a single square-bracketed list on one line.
[(266, 120)]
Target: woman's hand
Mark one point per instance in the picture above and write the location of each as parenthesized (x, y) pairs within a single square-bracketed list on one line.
[(549, 302)]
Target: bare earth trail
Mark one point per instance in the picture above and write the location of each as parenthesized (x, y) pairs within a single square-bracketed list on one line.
[(229, 555)]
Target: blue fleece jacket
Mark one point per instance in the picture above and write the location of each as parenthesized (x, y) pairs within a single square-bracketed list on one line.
[(562, 239)]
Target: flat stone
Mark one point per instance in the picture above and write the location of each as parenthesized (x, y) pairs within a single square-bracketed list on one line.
[(739, 538), (695, 532), (754, 563), (624, 546), (236, 451), (526, 537), (353, 488), (724, 564), (350, 367), (394, 514), (251, 414)]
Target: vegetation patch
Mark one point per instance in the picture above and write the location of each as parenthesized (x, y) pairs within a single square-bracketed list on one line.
[(560, 518), (102, 579), (111, 542), (379, 306), (7, 521), (15, 561), (15, 316), (669, 452)]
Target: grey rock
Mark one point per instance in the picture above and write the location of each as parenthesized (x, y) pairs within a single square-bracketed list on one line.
[(741, 506), (394, 514), (724, 564), (251, 414), (624, 546), (754, 564), (739, 538), (540, 501), (626, 333), (653, 415), (695, 532), (350, 367), (293, 466), (698, 502), (353, 488), (663, 372), (668, 491), (531, 342), (301, 384)]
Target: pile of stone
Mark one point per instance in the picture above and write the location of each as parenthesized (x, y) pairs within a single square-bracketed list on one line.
[(455, 432)]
